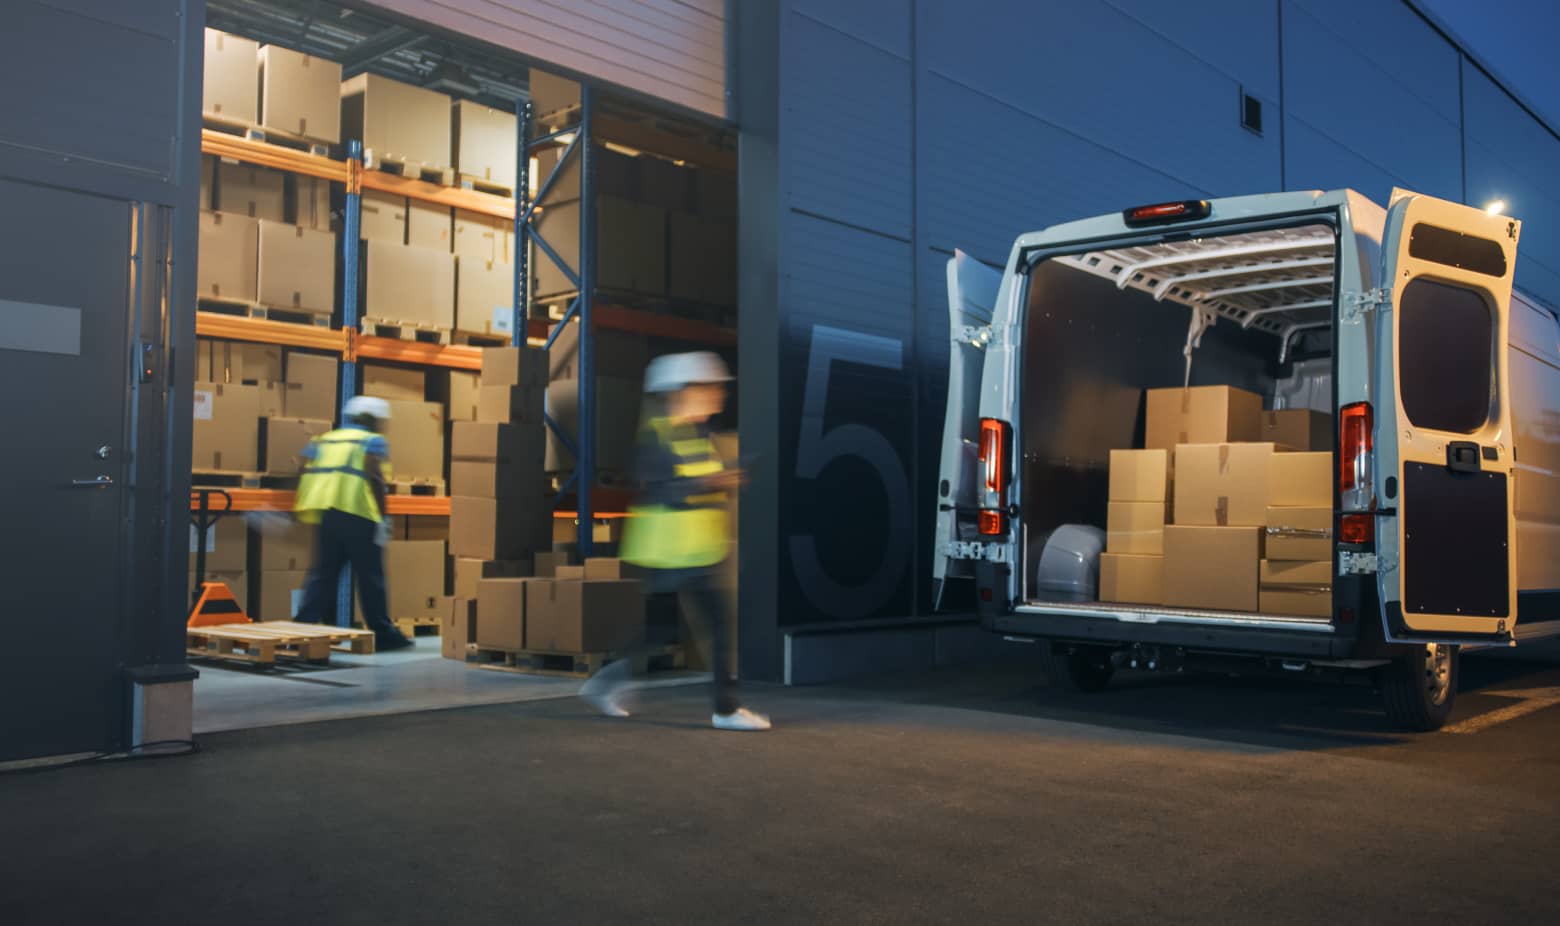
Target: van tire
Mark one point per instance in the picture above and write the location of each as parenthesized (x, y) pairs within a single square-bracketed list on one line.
[(1420, 687), (1083, 669)]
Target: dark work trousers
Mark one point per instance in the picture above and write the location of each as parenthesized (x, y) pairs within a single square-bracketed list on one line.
[(348, 540), (701, 596)]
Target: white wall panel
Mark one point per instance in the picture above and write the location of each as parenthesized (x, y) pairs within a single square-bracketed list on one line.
[(672, 49)]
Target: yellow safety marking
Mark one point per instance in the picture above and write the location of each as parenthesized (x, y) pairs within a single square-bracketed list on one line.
[(1529, 701)]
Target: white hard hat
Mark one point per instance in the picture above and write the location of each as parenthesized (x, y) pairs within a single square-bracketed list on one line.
[(361, 405), (672, 372)]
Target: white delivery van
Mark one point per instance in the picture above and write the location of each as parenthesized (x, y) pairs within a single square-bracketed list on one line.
[(1443, 385)]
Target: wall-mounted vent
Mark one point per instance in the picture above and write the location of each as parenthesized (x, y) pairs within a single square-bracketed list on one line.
[(1250, 113)]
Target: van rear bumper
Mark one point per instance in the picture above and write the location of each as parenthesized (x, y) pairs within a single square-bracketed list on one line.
[(1245, 635)]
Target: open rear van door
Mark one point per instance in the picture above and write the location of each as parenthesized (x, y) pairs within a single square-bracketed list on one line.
[(972, 298), (1445, 433)]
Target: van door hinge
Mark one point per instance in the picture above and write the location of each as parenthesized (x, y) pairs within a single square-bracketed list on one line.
[(974, 335), (974, 549), (1356, 564), (1356, 305)]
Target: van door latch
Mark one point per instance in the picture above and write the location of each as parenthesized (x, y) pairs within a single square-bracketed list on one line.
[(974, 549), (974, 335), (1356, 305), (1356, 564)]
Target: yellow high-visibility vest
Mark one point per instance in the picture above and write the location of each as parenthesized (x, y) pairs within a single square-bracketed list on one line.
[(688, 533), (337, 478)]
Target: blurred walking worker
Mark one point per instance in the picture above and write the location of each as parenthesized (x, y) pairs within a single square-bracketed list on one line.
[(343, 491), (678, 526)]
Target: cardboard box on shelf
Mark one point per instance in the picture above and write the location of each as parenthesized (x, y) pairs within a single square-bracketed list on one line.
[(409, 285), (1298, 429), (1224, 485), (287, 550), (1300, 533), (415, 434), (631, 246), (429, 225), (584, 617), (414, 577), (227, 543), (398, 383), (1302, 589), (227, 428), (227, 264), (1135, 527), (314, 375), (1139, 475), (247, 362), (273, 401), (206, 351), (256, 192), (382, 217), (459, 630), (484, 296), (510, 528), (463, 396), (702, 258), (1202, 415), (501, 613), (229, 87), (1301, 480), (1212, 568), (285, 439), (522, 405), (569, 573), (484, 143), (483, 237), (496, 480), (280, 595), (606, 567), (552, 96), (617, 423), (545, 564), (423, 527), (494, 442), (309, 204), (237, 582), (666, 185), (1132, 579), (397, 121), (297, 268), (513, 366), (618, 354), (300, 94), (469, 572)]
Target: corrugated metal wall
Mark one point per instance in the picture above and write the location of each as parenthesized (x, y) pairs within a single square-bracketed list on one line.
[(672, 49), (909, 128)]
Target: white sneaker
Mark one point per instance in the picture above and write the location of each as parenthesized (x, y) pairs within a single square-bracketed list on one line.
[(740, 719), (606, 696)]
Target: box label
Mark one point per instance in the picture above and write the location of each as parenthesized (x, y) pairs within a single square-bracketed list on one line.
[(203, 405), (503, 319)]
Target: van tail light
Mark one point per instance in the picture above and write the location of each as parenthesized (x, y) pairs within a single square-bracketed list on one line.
[(1356, 457), (992, 523), (1357, 528), (996, 463)]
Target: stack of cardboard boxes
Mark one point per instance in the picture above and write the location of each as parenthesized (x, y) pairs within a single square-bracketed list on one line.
[(281, 569), (620, 359), (592, 608), (1191, 515), (256, 406), (415, 432)]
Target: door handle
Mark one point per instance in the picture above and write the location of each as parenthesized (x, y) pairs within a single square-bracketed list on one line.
[(94, 483)]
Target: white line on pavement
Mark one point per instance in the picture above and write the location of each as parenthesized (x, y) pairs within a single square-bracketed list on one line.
[(1528, 701)]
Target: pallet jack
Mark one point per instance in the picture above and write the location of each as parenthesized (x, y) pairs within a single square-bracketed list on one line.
[(213, 602)]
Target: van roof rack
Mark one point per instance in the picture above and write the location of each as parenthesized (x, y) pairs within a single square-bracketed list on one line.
[(1278, 281)]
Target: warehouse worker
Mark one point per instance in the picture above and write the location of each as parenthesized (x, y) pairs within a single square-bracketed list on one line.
[(678, 528), (343, 491)]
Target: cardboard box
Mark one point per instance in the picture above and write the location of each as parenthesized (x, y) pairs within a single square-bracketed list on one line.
[(484, 296), (273, 402), (618, 354), (702, 259), (429, 225), (290, 550), (469, 572), (247, 362), (208, 182), (512, 405), (1300, 533), (285, 439), (1303, 589), (255, 192), (501, 613), (398, 383), (459, 630), (1202, 415), (484, 237), (1212, 568), (297, 268), (495, 442), (415, 434), (552, 97), (423, 527), (630, 246), (227, 264), (396, 121), (1139, 475), (230, 88), (666, 185), (513, 366), (463, 396), (205, 354), (583, 617), (382, 217), (617, 423), (1301, 480), (545, 564), (300, 94), (227, 543), (604, 567), (484, 143), (280, 595), (1225, 485), (510, 528), (409, 285), (314, 375), (1135, 527), (569, 573), (1130, 579), (414, 577), (1298, 429), (227, 428), (496, 480), (309, 202)]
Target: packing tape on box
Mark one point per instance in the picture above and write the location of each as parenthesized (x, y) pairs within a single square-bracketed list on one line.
[(1221, 511), (1302, 588), (1317, 533), (1224, 459)]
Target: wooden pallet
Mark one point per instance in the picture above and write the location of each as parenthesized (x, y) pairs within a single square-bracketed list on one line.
[(417, 626), (429, 487), (468, 182), (478, 339), (271, 136), (405, 331), (264, 642), (415, 170), (268, 313), (573, 665)]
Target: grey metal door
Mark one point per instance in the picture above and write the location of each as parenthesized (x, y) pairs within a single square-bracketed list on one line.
[(65, 378)]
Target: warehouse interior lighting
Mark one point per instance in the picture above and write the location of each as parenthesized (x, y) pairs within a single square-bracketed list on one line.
[(1495, 207)]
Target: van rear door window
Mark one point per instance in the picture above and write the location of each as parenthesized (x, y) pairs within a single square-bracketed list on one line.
[(1445, 357), (1455, 249)]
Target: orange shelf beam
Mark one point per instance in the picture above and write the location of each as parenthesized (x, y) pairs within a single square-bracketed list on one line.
[(232, 327), (416, 505), (471, 200), (250, 151), (454, 356), (638, 321)]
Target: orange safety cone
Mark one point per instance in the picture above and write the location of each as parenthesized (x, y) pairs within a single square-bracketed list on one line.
[(217, 606)]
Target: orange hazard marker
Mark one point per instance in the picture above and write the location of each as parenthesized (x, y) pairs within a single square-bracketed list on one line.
[(217, 606)]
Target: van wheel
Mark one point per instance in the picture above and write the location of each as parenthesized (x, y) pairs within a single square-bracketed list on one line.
[(1084, 669), (1421, 687)]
